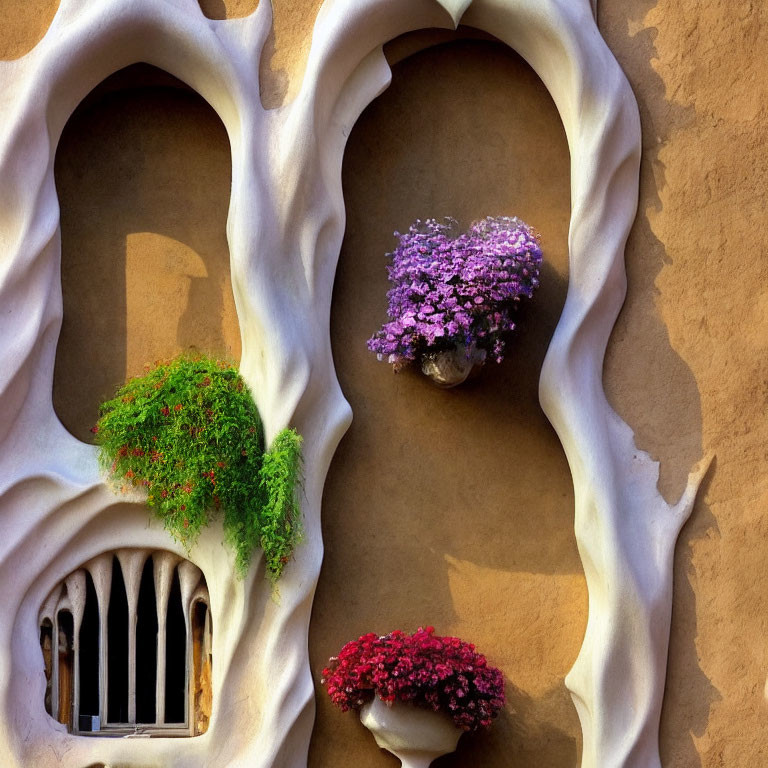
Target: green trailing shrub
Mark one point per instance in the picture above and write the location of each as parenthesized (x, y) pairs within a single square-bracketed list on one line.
[(190, 433)]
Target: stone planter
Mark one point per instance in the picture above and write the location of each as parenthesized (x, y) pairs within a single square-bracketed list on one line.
[(452, 367), (415, 736)]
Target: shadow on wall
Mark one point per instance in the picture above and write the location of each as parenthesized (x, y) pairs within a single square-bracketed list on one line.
[(143, 176), (454, 508), (643, 368), (522, 735), (689, 694)]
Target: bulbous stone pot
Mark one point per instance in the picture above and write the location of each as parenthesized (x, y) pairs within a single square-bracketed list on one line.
[(452, 367), (413, 735)]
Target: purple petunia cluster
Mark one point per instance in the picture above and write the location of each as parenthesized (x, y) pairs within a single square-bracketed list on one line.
[(451, 288), (443, 674)]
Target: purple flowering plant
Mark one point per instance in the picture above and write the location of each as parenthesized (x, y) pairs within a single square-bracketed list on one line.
[(451, 288), (444, 674)]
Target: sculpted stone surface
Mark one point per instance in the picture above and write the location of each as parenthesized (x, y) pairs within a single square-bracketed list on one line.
[(415, 736), (285, 226)]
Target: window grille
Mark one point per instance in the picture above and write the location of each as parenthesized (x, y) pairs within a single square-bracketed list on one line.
[(126, 643)]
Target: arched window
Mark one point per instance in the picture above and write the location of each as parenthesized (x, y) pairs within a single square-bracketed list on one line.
[(126, 642)]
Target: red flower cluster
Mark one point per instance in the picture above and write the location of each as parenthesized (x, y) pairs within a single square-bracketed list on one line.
[(444, 674)]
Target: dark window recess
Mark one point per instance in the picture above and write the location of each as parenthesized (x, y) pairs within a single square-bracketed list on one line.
[(89, 651), (109, 681), (46, 643), (176, 663), (66, 666), (146, 647), (117, 649)]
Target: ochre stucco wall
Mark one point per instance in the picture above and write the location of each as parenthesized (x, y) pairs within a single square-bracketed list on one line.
[(22, 24), (685, 368), (143, 173), (453, 508), (688, 362)]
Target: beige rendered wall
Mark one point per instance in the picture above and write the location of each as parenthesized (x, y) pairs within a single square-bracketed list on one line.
[(454, 508), (688, 362), (143, 174)]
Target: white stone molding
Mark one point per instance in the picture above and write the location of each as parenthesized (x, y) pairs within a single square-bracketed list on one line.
[(100, 569), (163, 564), (285, 227)]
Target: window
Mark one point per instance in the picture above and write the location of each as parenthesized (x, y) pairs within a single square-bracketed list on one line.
[(126, 644)]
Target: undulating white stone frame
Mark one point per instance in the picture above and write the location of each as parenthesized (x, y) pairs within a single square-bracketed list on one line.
[(285, 227)]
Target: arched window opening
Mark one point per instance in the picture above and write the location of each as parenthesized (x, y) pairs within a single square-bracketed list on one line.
[(175, 698), (117, 649), (134, 647), (46, 644), (146, 646), (202, 659), (89, 648), (66, 666)]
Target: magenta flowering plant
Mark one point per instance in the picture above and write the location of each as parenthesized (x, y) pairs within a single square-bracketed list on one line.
[(444, 674), (451, 288)]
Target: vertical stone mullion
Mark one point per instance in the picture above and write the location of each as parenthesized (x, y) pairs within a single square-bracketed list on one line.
[(101, 573), (132, 563), (164, 565)]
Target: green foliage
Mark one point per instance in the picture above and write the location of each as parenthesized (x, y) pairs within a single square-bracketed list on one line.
[(189, 431)]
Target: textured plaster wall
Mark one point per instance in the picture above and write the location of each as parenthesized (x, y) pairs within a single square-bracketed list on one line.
[(686, 364), (22, 24)]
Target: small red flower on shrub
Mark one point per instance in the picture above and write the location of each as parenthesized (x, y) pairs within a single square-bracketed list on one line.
[(169, 428), (444, 674)]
